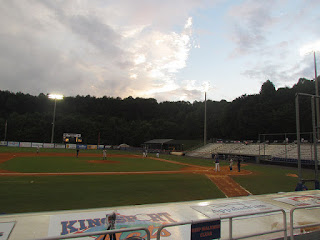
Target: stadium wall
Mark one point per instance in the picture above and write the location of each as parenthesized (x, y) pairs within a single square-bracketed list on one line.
[(50, 145)]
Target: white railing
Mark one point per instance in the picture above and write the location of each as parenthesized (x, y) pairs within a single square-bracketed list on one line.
[(292, 227), (106, 232), (231, 218), (284, 229)]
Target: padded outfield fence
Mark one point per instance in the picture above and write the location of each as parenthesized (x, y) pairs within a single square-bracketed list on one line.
[(58, 145)]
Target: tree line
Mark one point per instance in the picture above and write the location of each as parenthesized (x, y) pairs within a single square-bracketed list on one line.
[(136, 120)]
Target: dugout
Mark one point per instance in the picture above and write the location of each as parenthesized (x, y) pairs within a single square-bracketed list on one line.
[(164, 144)]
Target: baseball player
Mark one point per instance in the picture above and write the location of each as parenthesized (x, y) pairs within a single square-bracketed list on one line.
[(104, 153)]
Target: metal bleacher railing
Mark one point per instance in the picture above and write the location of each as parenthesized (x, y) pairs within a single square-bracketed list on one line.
[(292, 227), (231, 230), (99, 233), (284, 229)]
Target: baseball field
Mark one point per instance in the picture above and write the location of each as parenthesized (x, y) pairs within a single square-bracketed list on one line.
[(55, 179)]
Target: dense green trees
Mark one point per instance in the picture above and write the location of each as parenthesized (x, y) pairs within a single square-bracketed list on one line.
[(135, 120)]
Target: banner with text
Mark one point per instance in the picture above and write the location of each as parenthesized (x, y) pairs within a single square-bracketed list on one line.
[(81, 146), (59, 145), (71, 146), (234, 208), (5, 229), (25, 144), (91, 146), (48, 145), (306, 200), (13, 144), (151, 218), (206, 230), (36, 145)]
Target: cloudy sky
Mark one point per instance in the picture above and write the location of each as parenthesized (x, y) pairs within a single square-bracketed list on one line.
[(169, 50)]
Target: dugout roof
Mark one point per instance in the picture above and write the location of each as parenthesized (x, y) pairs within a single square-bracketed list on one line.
[(164, 144), (158, 141)]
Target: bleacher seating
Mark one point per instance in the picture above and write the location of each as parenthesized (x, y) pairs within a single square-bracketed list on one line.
[(280, 151)]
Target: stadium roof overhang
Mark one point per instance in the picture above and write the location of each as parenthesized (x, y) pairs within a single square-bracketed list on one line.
[(158, 141)]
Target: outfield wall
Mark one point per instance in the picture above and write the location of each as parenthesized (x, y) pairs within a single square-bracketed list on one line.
[(51, 145), (230, 218)]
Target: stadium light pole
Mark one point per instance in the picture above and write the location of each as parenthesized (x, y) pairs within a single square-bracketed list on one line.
[(205, 88), (205, 120), (55, 97), (5, 130), (307, 49)]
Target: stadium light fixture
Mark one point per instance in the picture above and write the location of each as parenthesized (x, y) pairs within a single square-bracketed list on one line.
[(309, 48), (55, 97)]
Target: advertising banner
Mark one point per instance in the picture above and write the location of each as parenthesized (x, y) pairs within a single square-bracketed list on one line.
[(13, 144), (151, 218), (91, 146), (305, 200), (5, 229), (25, 144), (35, 145), (59, 145), (100, 146), (81, 146), (3, 143), (48, 145), (107, 146), (206, 230), (234, 208), (71, 146)]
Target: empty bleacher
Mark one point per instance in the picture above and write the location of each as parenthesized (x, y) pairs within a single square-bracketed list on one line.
[(274, 150)]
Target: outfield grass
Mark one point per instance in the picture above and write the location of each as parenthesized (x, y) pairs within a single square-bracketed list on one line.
[(60, 150), (82, 164), (271, 179), (33, 194)]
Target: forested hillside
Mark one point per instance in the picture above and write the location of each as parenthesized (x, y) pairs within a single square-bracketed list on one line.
[(135, 120)]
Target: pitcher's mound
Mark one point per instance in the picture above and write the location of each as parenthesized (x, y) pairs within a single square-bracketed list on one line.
[(292, 175), (102, 161)]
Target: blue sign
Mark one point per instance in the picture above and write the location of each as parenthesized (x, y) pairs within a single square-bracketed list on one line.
[(206, 230), (81, 146)]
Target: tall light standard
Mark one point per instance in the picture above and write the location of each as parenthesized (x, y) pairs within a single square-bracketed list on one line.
[(205, 120), (205, 87), (307, 49), (314, 47), (55, 97)]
